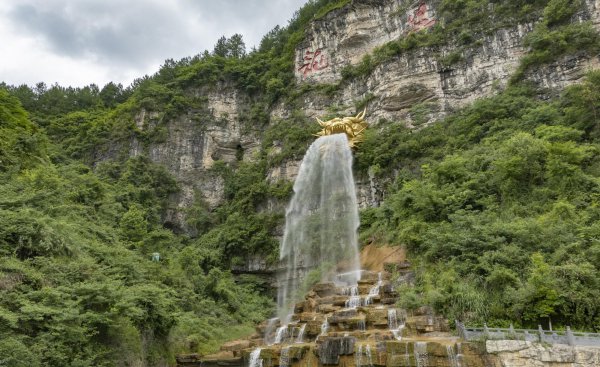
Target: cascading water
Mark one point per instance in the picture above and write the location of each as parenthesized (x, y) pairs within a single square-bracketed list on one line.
[(459, 355), (281, 334), (324, 327), (300, 338), (358, 357), (269, 330), (392, 319), (255, 360), (395, 323), (421, 355), (374, 291), (284, 357), (406, 355), (320, 234), (369, 356), (354, 300), (362, 325), (452, 357)]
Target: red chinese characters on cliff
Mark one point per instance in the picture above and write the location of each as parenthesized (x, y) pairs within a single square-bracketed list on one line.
[(313, 61), (420, 18)]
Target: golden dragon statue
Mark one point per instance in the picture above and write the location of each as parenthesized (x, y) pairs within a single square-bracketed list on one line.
[(353, 126)]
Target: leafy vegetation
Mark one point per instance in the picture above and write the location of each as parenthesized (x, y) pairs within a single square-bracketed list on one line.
[(79, 280), (76, 277), (497, 204)]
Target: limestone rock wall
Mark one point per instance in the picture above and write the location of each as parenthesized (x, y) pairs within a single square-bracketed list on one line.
[(516, 353), (194, 141), (395, 90), (344, 36), (416, 78)]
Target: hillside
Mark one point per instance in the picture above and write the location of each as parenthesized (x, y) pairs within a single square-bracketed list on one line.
[(483, 161)]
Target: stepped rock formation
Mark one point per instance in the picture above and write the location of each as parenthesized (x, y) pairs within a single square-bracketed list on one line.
[(329, 329)]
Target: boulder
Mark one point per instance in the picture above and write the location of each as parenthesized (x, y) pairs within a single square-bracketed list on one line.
[(325, 289)]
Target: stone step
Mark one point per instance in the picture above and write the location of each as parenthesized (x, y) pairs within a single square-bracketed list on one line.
[(343, 349), (369, 334)]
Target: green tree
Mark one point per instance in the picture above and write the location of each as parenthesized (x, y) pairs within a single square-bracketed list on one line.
[(133, 224), (539, 297)]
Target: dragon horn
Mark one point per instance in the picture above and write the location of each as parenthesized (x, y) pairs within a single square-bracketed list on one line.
[(361, 115), (320, 122)]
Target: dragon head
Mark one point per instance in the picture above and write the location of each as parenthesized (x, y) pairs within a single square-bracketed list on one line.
[(352, 126)]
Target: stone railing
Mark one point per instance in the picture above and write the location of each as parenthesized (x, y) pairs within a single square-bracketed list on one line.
[(546, 336)]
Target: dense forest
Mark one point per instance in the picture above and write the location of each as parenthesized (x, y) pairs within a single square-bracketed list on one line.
[(498, 205)]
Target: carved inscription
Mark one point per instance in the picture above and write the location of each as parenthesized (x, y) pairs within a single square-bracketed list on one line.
[(313, 61), (420, 19)]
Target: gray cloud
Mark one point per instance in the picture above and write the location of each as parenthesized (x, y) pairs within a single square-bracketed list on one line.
[(121, 32), (139, 34)]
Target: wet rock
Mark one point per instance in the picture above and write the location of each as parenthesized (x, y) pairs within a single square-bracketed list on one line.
[(331, 348), (377, 317), (313, 328), (332, 300), (423, 311), (235, 345), (388, 301), (325, 289), (307, 316), (427, 324), (328, 308), (348, 312)]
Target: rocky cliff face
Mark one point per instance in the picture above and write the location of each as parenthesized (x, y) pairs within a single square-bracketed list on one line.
[(518, 353), (414, 88), (344, 36), (196, 140)]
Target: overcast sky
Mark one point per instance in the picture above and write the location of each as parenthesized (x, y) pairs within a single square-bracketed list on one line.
[(79, 42)]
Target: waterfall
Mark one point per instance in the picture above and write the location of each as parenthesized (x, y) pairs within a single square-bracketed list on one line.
[(300, 338), (324, 327), (452, 358), (406, 355), (269, 330), (321, 222), (421, 355), (392, 319), (354, 300), (281, 334), (396, 326), (255, 360), (459, 355), (284, 357), (374, 291), (362, 326), (358, 358), (369, 357)]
